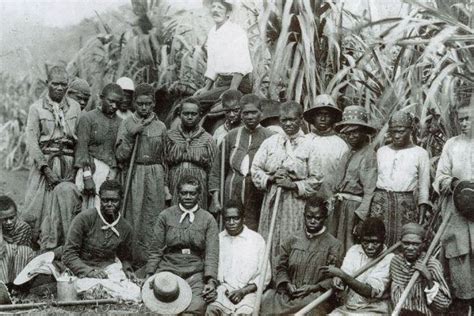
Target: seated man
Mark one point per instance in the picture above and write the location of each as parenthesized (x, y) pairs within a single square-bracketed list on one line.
[(365, 292), (430, 295), (96, 238), (15, 241), (185, 242), (298, 277), (241, 253)]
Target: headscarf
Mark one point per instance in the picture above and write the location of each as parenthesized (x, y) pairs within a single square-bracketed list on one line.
[(413, 228), (401, 119), (81, 86)]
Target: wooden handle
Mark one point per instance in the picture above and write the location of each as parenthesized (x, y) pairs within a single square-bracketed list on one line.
[(328, 293), (222, 184), (263, 267), (66, 303), (128, 180)]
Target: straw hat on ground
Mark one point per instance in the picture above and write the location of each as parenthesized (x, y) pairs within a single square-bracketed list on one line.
[(39, 265), (166, 293)]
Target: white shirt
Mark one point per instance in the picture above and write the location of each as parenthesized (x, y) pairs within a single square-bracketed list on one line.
[(240, 258), (402, 170), (227, 51)]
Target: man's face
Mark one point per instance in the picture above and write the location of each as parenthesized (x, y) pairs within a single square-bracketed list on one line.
[(233, 222), (188, 195), (372, 246), (57, 86), (190, 115), (465, 120), (411, 247), (80, 98), (110, 203), (110, 103), (127, 101), (323, 120), (218, 12), (232, 113), (355, 137), (290, 122), (251, 115), (400, 136), (9, 221), (144, 105), (314, 219)]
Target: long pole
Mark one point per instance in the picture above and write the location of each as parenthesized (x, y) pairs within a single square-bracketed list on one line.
[(222, 183), (268, 246), (329, 292), (128, 180), (65, 303), (416, 275)]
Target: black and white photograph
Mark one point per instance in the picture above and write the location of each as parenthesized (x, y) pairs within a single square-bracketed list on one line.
[(237, 157)]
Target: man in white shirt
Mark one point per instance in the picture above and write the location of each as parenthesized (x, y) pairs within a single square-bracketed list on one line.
[(241, 253), (228, 56), (231, 105), (403, 172)]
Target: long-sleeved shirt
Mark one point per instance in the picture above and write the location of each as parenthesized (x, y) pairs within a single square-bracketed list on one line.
[(330, 150), (359, 176), (240, 259), (378, 277), (151, 146), (96, 138), (184, 248), (227, 51), (403, 170), (89, 246), (49, 122), (301, 257), (421, 299)]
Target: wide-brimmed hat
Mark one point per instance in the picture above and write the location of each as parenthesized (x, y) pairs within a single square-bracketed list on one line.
[(270, 109), (39, 265), (4, 294), (355, 115), (463, 196), (166, 293), (322, 101)]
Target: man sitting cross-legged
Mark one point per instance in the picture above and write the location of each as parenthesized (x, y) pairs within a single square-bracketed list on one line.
[(241, 254), (364, 295), (99, 247)]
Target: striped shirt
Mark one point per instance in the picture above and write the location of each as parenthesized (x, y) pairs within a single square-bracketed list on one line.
[(401, 272), (20, 234)]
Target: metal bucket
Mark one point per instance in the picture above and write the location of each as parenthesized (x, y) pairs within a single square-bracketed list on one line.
[(66, 288)]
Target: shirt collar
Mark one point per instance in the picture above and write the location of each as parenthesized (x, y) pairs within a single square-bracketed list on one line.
[(311, 236), (186, 212), (243, 234)]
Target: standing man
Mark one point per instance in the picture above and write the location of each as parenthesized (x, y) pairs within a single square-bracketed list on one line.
[(124, 108), (241, 144), (285, 161), (185, 242), (80, 91), (230, 103), (96, 138), (228, 56), (240, 259), (357, 173), (403, 171), (148, 190), (430, 294), (456, 164), (327, 145), (51, 197)]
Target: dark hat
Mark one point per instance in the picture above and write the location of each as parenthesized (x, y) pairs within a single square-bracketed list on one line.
[(270, 109), (463, 196), (413, 229), (354, 115), (166, 293), (322, 101)]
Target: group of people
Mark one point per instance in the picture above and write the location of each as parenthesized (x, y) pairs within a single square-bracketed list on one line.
[(121, 199)]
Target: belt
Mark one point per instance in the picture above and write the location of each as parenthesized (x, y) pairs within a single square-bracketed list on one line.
[(184, 251), (147, 163), (390, 191), (58, 151)]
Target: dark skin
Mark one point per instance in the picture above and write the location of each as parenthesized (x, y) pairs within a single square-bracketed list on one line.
[(127, 101), (232, 113), (356, 137), (190, 117), (324, 121), (110, 103), (372, 246), (412, 247), (110, 201), (9, 219), (234, 225), (80, 98), (401, 139), (314, 220), (290, 122)]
